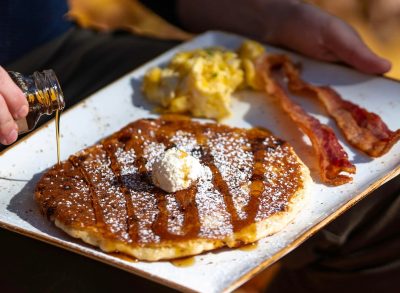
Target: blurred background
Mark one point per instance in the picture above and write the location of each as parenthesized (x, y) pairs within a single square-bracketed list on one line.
[(377, 21)]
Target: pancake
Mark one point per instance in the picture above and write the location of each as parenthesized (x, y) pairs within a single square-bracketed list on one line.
[(253, 186)]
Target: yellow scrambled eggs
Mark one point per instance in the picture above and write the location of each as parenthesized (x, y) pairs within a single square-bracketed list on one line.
[(200, 82)]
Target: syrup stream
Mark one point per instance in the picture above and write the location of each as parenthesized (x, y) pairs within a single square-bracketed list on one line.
[(57, 121)]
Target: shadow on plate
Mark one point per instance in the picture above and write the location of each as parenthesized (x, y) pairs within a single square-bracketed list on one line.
[(138, 99), (265, 112), (24, 206), (333, 74)]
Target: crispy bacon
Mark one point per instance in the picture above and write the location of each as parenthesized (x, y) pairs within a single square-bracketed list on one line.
[(364, 130), (333, 160)]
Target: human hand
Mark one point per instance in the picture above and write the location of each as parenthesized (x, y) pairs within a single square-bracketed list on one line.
[(315, 33), (13, 105), (288, 23)]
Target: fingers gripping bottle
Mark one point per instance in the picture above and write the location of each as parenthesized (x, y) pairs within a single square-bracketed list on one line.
[(44, 95)]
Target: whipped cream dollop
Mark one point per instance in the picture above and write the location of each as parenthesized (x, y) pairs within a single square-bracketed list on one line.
[(175, 170)]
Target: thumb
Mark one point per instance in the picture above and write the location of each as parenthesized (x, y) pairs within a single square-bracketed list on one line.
[(345, 43)]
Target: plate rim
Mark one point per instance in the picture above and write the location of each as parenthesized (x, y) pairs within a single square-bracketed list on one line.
[(245, 277)]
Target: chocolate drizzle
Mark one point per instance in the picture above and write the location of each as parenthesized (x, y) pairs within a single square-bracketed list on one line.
[(76, 162), (223, 188), (111, 150), (249, 175)]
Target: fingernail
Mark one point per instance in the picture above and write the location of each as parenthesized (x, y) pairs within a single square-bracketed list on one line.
[(22, 112), (12, 136)]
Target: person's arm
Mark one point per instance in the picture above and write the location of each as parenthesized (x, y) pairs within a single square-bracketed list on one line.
[(13, 105), (287, 23)]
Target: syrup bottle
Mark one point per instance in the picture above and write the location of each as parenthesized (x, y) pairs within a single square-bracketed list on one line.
[(44, 96)]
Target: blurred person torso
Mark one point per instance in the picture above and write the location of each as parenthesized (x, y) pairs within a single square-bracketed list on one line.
[(25, 25)]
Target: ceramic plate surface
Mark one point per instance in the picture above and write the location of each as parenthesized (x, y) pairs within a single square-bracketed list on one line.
[(121, 102)]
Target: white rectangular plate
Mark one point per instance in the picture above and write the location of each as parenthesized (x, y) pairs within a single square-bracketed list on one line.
[(121, 102)]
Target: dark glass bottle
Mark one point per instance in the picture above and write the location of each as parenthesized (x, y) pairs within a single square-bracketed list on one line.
[(44, 96)]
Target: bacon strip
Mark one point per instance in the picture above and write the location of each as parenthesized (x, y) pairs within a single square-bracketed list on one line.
[(333, 160), (364, 130)]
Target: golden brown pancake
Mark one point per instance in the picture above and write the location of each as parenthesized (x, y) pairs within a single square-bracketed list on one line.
[(254, 185)]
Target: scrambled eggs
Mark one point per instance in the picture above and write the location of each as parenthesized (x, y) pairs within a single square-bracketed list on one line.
[(201, 82), (248, 53)]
